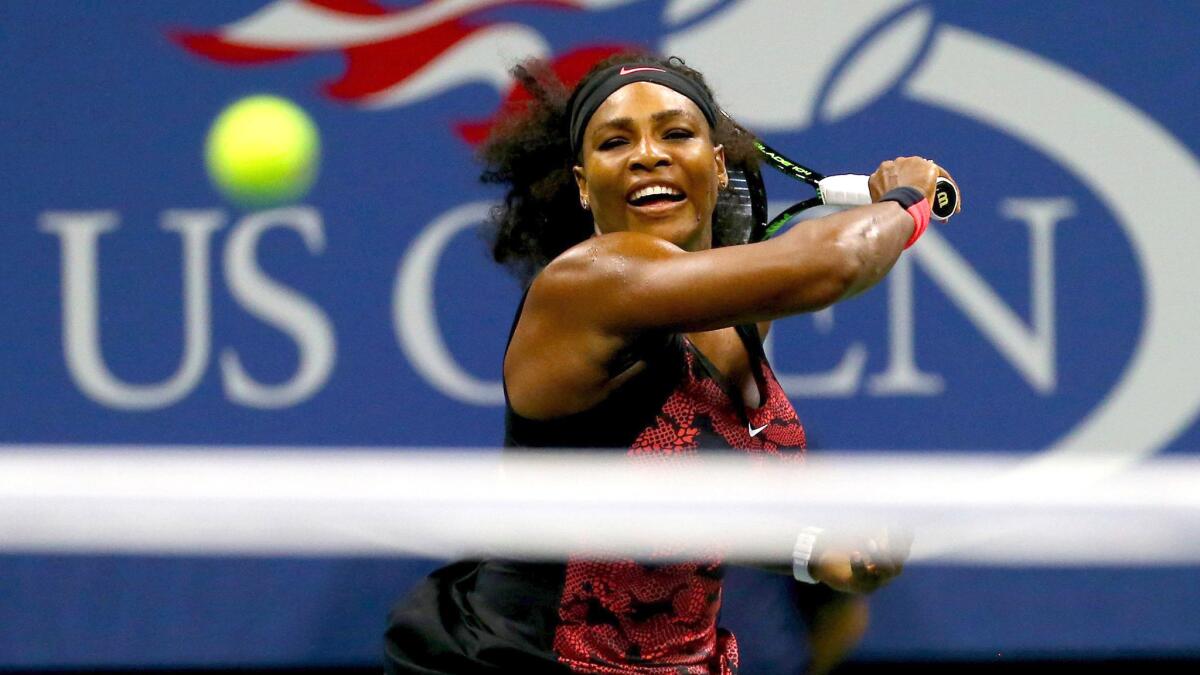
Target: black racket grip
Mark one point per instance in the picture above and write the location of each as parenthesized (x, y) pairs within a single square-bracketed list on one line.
[(945, 199)]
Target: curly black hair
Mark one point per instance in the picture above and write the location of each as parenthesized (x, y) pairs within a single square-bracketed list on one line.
[(530, 151)]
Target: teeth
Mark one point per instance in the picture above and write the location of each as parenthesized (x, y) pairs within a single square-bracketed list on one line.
[(653, 190)]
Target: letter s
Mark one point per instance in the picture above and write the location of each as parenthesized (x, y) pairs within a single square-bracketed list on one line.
[(302, 320)]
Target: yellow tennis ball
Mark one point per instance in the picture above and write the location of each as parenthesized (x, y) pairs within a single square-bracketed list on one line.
[(263, 151)]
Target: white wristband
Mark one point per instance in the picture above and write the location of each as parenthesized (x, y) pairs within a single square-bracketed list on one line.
[(802, 554), (845, 190)]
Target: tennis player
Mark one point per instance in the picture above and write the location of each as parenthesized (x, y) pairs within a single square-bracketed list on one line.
[(640, 331)]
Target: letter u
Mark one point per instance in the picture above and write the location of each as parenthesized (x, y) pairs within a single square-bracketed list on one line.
[(78, 232)]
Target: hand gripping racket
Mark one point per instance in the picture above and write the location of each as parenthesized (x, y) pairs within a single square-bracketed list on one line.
[(745, 199)]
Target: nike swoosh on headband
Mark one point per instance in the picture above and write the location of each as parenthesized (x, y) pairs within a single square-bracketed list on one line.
[(629, 71), (754, 432)]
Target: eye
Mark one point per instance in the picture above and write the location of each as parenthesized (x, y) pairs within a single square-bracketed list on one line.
[(609, 143), (679, 133)]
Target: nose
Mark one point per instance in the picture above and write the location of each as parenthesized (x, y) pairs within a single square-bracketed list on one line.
[(648, 154)]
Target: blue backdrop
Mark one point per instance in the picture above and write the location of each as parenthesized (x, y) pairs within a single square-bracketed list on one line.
[(1055, 314)]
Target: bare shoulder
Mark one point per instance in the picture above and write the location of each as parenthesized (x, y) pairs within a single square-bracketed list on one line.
[(594, 283), (560, 358), (603, 260)]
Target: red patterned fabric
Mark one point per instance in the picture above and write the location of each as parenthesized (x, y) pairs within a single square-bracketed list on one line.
[(626, 618)]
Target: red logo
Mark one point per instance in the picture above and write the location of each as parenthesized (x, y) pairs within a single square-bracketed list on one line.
[(395, 57)]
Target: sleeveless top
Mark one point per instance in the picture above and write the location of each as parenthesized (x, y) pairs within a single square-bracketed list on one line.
[(604, 616)]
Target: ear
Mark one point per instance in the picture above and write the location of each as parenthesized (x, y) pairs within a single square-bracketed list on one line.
[(719, 158), (581, 183)]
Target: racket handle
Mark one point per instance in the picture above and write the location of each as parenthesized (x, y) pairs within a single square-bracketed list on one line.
[(945, 199), (845, 190), (853, 190)]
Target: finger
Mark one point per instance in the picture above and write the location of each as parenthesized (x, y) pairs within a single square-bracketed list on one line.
[(870, 565), (888, 561), (863, 579), (900, 541), (931, 174), (886, 570), (895, 544), (858, 565)]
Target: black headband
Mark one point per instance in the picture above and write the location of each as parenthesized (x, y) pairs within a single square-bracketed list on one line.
[(588, 98)]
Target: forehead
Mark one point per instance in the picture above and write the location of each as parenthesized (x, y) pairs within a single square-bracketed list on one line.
[(641, 100)]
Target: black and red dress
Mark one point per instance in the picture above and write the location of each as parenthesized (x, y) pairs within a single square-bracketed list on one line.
[(604, 616)]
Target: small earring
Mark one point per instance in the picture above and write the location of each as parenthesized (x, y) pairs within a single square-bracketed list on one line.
[(584, 204)]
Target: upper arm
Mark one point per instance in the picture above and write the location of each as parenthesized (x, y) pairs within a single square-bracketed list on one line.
[(596, 298), (624, 283)]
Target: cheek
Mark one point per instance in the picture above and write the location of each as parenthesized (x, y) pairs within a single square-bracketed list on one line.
[(704, 165), (604, 181), (706, 181)]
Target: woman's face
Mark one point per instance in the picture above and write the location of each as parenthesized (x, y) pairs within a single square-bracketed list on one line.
[(649, 165)]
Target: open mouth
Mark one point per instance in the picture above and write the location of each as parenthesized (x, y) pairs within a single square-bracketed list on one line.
[(656, 195)]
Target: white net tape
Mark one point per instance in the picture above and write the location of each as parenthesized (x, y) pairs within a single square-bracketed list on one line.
[(976, 509)]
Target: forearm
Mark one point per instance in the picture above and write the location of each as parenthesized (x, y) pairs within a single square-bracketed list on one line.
[(802, 545), (849, 562), (856, 249), (636, 282), (806, 269)]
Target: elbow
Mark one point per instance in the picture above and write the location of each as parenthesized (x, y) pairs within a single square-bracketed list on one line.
[(857, 258), (840, 277), (843, 256)]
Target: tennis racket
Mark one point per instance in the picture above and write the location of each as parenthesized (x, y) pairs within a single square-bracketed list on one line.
[(745, 199)]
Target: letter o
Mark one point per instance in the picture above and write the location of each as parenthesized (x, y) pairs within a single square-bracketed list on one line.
[(414, 315)]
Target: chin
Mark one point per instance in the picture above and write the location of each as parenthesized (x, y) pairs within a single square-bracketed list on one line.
[(684, 235)]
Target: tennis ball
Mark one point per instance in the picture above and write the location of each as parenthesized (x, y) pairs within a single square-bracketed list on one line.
[(263, 151)]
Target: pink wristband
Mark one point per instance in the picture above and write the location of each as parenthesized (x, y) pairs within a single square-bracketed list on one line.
[(920, 213)]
